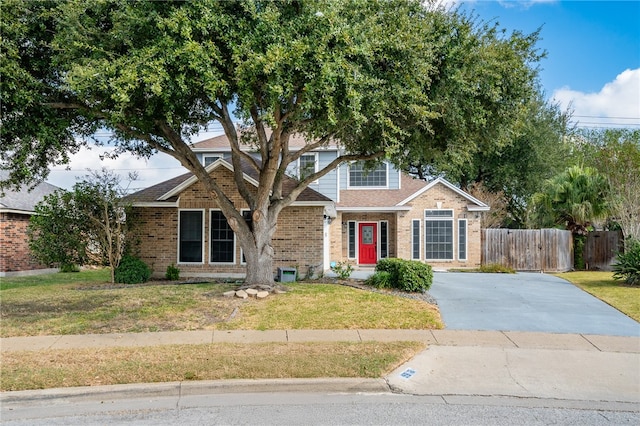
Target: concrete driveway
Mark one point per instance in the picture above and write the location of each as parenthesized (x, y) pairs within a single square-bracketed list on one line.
[(524, 302)]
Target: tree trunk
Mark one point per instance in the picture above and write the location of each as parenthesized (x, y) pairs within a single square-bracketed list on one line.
[(255, 240), (260, 270)]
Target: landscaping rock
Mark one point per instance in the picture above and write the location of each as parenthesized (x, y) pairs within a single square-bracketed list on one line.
[(252, 292), (262, 294), (230, 293), (241, 294)]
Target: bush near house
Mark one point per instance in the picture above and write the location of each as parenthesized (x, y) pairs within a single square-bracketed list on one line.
[(407, 275), (627, 266), (132, 271)]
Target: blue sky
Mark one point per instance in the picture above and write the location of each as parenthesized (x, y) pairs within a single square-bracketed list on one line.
[(589, 45), (592, 68)]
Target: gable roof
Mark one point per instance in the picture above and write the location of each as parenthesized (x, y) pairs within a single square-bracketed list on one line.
[(397, 199), (166, 193), (23, 200), (476, 205)]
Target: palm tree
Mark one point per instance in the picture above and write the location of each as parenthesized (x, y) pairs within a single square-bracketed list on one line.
[(572, 199)]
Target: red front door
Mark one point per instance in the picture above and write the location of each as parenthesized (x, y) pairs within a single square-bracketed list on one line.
[(368, 247)]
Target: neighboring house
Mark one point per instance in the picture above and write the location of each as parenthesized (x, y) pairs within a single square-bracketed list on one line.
[(350, 214), (16, 207)]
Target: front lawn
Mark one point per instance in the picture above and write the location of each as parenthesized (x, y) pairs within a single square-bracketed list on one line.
[(84, 303), (621, 296)]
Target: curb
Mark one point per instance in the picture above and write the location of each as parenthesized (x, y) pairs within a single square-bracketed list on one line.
[(180, 389)]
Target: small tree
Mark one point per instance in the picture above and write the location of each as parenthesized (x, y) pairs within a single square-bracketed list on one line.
[(57, 232), (89, 223), (615, 153)]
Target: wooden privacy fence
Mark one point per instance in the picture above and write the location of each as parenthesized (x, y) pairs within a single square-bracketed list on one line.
[(600, 249), (548, 250)]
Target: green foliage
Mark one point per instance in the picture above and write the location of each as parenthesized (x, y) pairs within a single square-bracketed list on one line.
[(342, 269), (69, 268), (615, 153), (407, 275), (579, 242), (132, 271), (572, 200), (89, 224), (173, 273), (57, 232), (627, 266), (493, 268), (381, 279)]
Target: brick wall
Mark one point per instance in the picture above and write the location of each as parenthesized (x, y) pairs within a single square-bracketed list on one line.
[(14, 244), (448, 199), (400, 224), (297, 242)]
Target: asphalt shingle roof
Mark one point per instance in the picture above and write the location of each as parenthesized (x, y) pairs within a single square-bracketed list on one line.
[(153, 193), (23, 199)]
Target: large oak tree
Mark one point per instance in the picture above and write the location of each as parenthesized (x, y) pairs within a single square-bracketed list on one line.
[(377, 76)]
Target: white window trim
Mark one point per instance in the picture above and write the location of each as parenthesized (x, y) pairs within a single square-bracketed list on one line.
[(211, 242), (466, 239), (349, 186), (355, 236), (315, 164), (379, 242), (454, 246), (178, 262), (413, 222)]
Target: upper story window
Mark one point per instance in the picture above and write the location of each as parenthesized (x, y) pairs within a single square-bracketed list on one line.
[(307, 165), (210, 159), (368, 178)]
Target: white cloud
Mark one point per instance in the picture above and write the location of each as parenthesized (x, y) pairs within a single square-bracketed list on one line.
[(150, 171), (616, 104)]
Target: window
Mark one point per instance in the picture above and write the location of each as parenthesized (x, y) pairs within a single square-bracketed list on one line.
[(351, 237), (415, 239), (210, 159), (462, 239), (384, 240), (438, 232), (223, 242), (190, 233), (307, 165), (360, 177)]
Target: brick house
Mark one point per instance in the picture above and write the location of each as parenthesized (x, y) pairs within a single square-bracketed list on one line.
[(350, 214), (179, 223), (16, 208)]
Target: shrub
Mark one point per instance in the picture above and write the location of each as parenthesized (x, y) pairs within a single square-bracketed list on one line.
[(496, 268), (407, 275), (132, 271), (627, 266), (343, 269), (69, 267), (380, 279), (173, 273)]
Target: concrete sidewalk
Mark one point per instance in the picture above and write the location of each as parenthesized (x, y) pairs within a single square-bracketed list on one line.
[(500, 339), (570, 370)]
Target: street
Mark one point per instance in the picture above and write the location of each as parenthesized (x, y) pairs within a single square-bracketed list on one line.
[(319, 408)]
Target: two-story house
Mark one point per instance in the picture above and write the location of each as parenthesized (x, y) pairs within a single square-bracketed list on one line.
[(349, 214)]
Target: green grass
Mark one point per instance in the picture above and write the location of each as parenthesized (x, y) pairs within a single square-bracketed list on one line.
[(84, 303), (623, 297)]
